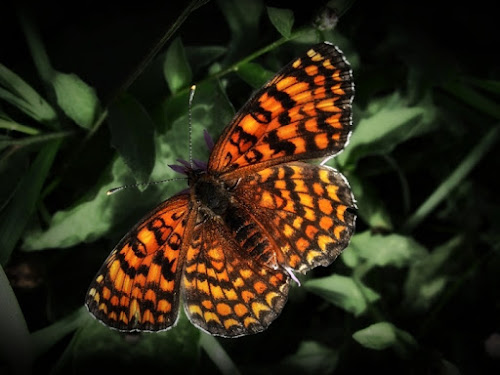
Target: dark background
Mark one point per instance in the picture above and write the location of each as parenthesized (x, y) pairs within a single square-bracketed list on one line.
[(103, 42)]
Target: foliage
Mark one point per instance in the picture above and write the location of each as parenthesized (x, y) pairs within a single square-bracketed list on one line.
[(416, 291)]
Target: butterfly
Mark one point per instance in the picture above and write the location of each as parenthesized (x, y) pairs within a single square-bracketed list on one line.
[(228, 246)]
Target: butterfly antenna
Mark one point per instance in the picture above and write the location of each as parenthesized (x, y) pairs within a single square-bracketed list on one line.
[(190, 125), (116, 189)]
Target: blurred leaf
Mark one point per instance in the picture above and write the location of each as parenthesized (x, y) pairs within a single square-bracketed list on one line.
[(91, 218), (386, 250), (18, 211), (350, 258), (32, 140), (176, 68), (448, 368), (16, 355), (426, 280), (387, 122), (243, 18), (18, 93), (254, 74), (382, 335), (485, 84), (10, 126), (14, 167), (173, 351), (311, 358), (36, 47), (47, 337), (202, 56), (132, 134), (77, 99), (473, 98), (282, 19), (370, 207), (340, 6), (343, 292)]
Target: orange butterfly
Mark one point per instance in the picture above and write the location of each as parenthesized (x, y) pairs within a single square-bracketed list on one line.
[(228, 246)]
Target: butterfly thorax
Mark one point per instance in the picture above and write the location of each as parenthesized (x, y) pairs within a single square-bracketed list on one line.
[(211, 193)]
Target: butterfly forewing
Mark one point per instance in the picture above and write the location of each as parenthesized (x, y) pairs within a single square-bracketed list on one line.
[(304, 112), (137, 287)]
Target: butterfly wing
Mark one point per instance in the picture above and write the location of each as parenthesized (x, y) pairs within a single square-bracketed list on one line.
[(226, 292), (137, 288), (304, 112), (306, 209)]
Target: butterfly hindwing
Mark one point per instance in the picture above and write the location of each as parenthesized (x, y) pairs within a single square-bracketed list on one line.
[(226, 292), (305, 208), (304, 112)]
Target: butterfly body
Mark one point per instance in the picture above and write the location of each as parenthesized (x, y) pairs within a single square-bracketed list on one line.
[(211, 195), (227, 247)]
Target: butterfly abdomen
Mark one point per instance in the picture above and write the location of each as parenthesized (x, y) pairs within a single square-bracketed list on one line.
[(249, 236)]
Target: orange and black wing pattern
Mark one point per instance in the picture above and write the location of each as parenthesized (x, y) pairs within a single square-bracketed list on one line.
[(304, 112), (229, 246), (137, 287), (226, 291), (306, 209)]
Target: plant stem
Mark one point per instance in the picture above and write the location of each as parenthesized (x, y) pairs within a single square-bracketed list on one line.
[(453, 180)]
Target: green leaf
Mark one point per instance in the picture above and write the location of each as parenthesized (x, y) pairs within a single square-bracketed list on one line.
[(173, 351), (254, 74), (15, 91), (47, 337), (176, 68), (426, 281), (132, 135), (95, 215), (383, 335), (384, 250), (10, 125), (370, 207), (344, 292), (311, 358), (16, 353), (77, 99), (14, 167), (202, 56), (36, 47), (243, 18), (387, 122), (17, 213), (282, 19), (474, 98)]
